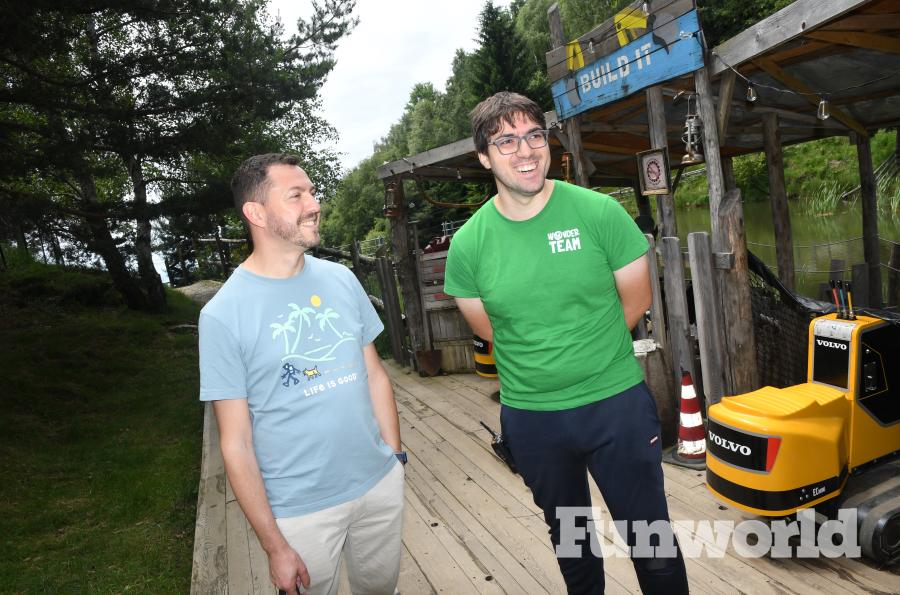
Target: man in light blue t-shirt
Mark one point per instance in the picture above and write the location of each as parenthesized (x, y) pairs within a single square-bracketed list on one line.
[(306, 414)]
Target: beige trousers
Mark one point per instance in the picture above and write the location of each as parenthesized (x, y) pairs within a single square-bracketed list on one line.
[(365, 532)]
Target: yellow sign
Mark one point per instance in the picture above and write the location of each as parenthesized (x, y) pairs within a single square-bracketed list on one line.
[(574, 57), (628, 22)]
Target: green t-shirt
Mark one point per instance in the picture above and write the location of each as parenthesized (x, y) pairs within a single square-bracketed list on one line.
[(560, 339)]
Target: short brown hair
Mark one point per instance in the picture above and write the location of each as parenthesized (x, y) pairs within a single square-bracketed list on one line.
[(250, 182), (489, 115)]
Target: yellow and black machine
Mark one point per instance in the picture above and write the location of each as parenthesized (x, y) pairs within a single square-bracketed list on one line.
[(831, 442)]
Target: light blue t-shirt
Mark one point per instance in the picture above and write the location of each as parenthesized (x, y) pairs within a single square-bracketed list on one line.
[(294, 348)]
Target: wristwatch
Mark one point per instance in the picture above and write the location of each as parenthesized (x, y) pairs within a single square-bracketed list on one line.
[(401, 456)]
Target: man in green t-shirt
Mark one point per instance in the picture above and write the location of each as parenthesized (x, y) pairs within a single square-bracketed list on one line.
[(556, 276)]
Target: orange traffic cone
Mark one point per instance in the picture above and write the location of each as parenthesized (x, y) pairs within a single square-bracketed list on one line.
[(691, 449)]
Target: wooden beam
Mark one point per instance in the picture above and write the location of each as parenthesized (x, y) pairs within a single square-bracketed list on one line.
[(724, 102), (590, 168), (656, 121), (409, 164), (808, 93), (869, 197), (868, 41), (415, 321), (734, 293), (707, 308), (676, 308), (788, 23), (863, 22), (572, 125), (727, 222), (781, 220)]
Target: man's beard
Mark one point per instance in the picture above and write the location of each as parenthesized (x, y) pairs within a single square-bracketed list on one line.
[(294, 234)]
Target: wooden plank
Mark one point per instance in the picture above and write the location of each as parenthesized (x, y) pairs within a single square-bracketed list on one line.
[(781, 219), (238, 548), (865, 22), (535, 555), (412, 579), (210, 564), (430, 157), (868, 41), (709, 318), (603, 39), (656, 118), (807, 93), (724, 102), (786, 24), (436, 563), (657, 312), (509, 574), (860, 287), (406, 271), (261, 581), (677, 312), (385, 280), (481, 578)]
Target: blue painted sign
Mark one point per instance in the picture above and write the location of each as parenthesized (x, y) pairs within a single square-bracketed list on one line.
[(666, 52)]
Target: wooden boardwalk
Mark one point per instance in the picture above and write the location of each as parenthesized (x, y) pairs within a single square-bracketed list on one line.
[(470, 526)]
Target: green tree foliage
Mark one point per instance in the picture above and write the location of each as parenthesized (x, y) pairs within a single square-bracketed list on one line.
[(723, 19), (114, 114), (511, 55), (500, 62)]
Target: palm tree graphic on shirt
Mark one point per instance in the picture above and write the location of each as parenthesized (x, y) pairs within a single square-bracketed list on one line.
[(308, 343)]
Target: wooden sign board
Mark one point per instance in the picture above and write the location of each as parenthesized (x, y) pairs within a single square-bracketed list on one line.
[(629, 52)]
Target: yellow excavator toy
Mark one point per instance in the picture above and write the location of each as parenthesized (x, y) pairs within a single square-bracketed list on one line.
[(831, 442)]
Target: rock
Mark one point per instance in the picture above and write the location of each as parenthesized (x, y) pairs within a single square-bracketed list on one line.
[(201, 291)]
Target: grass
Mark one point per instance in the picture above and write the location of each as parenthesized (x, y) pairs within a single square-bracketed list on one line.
[(99, 437)]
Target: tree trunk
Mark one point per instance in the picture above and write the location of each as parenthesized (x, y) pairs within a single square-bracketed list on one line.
[(57, 249), (21, 242), (100, 240), (150, 279)]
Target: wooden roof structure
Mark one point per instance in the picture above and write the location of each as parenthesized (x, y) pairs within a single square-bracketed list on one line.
[(845, 51)]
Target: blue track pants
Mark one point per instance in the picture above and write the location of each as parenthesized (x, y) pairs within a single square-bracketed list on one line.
[(617, 441)]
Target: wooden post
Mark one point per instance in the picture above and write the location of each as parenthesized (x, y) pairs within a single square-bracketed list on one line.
[(728, 173), (727, 222), (354, 258), (643, 203), (391, 308), (893, 296), (677, 311), (656, 122), (781, 219), (406, 269), (572, 125), (426, 316), (657, 313), (723, 109), (737, 310), (867, 190), (860, 275), (708, 315)]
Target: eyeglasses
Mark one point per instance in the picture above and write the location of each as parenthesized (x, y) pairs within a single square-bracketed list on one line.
[(507, 145)]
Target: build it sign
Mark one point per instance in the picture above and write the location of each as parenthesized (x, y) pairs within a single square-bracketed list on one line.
[(643, 45)]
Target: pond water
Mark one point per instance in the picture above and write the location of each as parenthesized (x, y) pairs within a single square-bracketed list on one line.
[(817, 239)]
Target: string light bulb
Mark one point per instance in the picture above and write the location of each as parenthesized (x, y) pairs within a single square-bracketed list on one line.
[(823, 113), (751, 92), (646, 7)]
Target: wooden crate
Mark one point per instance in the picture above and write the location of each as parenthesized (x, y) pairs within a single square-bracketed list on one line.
[(449, 331)]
